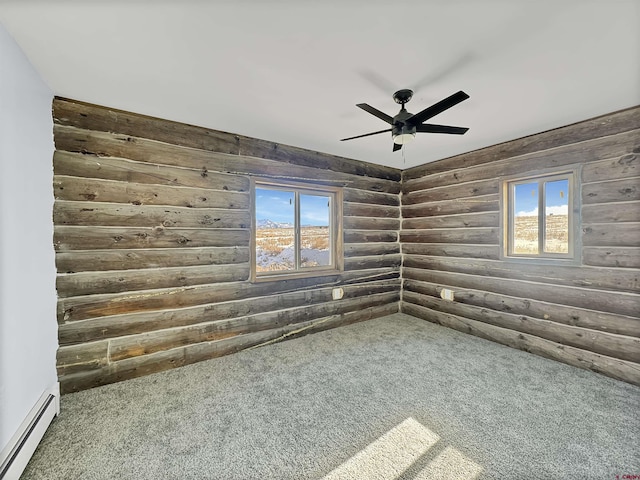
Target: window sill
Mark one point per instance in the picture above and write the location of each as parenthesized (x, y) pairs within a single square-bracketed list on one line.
[(541, 260), (292, 276)]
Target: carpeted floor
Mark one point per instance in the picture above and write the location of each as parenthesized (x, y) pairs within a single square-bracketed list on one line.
[(392, 398)]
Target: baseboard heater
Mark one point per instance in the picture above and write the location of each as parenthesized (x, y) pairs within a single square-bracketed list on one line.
[(21, 447)]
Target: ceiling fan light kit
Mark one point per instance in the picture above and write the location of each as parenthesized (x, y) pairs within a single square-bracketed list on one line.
[(405, 125), (402, 138)]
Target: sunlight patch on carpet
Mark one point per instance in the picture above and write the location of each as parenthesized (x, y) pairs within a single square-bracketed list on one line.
[(450, 465), (388, 457)]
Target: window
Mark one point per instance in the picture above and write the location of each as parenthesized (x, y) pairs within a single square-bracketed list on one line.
[(539, 217), (296, 230)]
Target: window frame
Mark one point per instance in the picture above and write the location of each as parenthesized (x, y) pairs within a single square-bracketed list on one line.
[(507, 186), (335, 229)]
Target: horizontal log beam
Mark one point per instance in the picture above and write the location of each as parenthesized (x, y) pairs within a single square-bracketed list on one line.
[(93, 117), (452, 192), (376, 261), (125, 259), (620, 190), (625, 257), (100, 305), (362, 236), (102, 144), (613, 345), (146, 343), (613, 302), (478, 235), (465, 220), (81, 358), (595, 278), (559, 313), (355, 195), (588, 150), (610, 235), (369, 275), (612, 367), (101, 328), (367, 249), (146, 364), (119, 215), (115, 281), (81, 238), (370, 223), (95, 190), (350, 209), (490, 252), (481, 203), (606, 125), (624, 166), (124, 170), (611, 213)]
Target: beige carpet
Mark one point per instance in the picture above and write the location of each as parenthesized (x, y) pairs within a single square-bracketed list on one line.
[(392, 398)]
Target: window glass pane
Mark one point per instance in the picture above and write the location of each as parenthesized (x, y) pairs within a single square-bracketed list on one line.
[(525, 224), (275, 238), (315, 245), (556, 212)]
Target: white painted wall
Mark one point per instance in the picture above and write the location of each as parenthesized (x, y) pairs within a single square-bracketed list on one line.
[(28, 328)]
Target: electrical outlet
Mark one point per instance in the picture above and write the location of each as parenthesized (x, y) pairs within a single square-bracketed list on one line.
[(337, 293), (446, 294)]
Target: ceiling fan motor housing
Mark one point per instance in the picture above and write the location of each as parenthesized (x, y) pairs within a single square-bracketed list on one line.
[(403, 129), (401, 126)]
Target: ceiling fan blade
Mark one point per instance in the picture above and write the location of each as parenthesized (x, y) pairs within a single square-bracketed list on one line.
[(382, 83), (443, 72), (396, 147), (437, 108), (376, 112), (366, 135), (431, 128)]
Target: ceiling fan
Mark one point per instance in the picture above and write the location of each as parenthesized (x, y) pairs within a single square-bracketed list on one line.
[(405, 125)]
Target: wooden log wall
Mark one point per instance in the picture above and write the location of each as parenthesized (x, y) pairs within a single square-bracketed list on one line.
[(152, 233), (585, 315)]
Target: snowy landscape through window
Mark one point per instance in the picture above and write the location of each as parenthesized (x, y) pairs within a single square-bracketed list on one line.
[(293, 229)]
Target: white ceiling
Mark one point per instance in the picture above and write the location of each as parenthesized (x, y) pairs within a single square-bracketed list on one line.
[(292, 71)]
